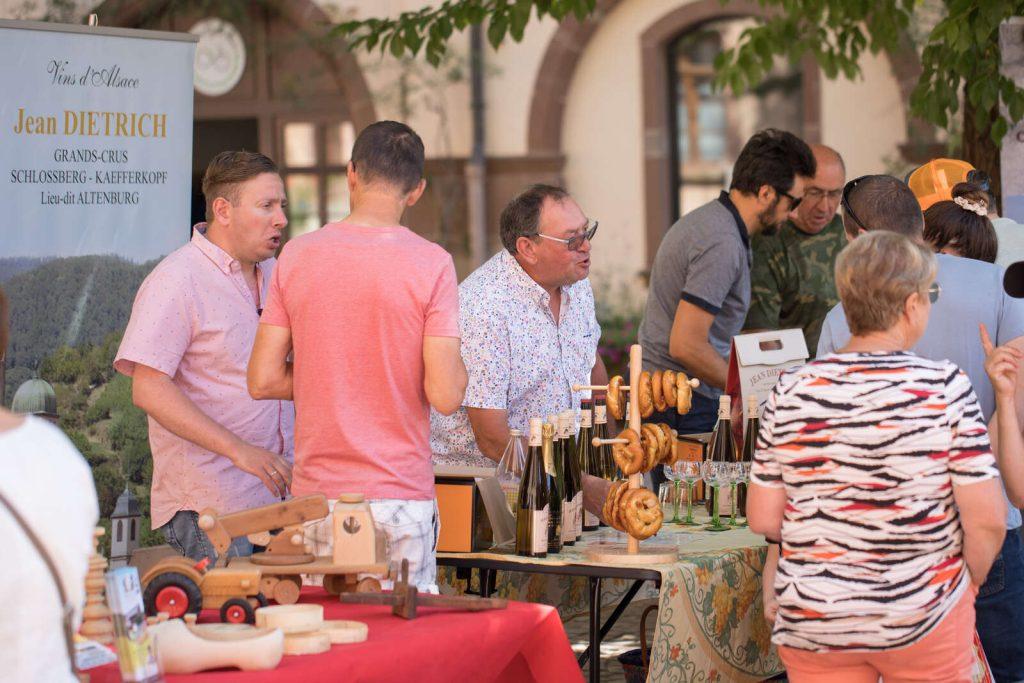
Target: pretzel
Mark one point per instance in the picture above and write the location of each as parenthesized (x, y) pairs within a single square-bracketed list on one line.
[(642, 513), (669, 458), (668, 387), (684, 393), (653, 448), (607, 511), (614, 397), (659, 391), (628, 456), (616, 506), (646, 396)]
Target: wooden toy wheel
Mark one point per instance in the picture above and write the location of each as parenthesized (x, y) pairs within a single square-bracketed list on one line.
[(286, 592), (258, 600), (368, 585), (237, 611), (173, 593)]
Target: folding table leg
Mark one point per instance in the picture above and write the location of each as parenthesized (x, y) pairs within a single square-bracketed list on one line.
[(598, 631)]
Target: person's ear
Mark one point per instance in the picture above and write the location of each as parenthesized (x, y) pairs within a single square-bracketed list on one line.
[(414, 196), (352, 178), (222, 210), (766, 194), (526, 249)]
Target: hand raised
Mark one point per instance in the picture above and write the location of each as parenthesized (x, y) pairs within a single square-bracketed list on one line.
[(1001, 364)]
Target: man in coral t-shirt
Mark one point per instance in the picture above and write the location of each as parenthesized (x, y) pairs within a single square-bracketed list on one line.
[(370, 311)]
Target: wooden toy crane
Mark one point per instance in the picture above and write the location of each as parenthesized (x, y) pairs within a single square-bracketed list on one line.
[(637, 389)]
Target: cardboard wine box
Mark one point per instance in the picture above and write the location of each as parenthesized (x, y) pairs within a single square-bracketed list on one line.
[(465, 525)]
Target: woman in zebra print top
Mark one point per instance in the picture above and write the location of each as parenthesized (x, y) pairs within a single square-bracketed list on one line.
[(874, 470)]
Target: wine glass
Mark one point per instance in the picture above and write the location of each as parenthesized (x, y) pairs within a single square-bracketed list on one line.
[(743, 477), (731, 476), (711, 473), (689, 471), (667, 498), (673, 480)]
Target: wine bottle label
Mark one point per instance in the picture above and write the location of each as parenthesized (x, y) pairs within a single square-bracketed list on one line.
[(578, 515), (585, 418), (539, 538), (590, 519), (536, 439), (568, 528), (600, 414)]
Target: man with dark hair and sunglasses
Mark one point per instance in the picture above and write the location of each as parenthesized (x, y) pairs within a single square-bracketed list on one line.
[(700, 282), (791, 281), (529, 330), (970, 295)]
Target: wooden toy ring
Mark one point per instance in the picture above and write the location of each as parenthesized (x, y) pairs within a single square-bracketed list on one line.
[(628, 456), (668, 387), (684, 393), (646, 395), (614, 397), (643, 515), (659, 391)]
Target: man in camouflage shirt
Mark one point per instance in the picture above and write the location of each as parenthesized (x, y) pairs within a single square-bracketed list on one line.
[(792, 283)]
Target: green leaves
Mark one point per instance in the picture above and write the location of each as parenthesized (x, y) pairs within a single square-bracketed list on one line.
[(431, 27)]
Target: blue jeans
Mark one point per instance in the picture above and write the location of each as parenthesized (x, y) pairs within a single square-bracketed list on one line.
[(184, 535), (1000, 612), (701, 419)]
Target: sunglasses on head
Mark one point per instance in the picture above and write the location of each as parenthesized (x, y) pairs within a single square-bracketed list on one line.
[(934, 291), (845, 201)]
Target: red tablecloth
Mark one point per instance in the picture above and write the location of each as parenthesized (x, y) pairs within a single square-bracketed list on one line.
[(525, 642)]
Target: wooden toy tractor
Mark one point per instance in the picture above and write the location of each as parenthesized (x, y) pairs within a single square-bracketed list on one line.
[(237, 587)]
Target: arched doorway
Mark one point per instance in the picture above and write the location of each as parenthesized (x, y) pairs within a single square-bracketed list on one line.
[(299, 99)]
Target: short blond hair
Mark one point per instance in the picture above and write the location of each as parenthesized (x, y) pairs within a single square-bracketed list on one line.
[(874, 276)]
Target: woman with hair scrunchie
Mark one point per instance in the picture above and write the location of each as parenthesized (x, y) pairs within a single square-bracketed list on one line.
[(960, 226)]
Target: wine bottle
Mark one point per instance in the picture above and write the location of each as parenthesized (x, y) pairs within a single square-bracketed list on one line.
[(572, 530), (753, 426), (534, 499), (587, 456), (608, 467), (722, 449), (551, 467)]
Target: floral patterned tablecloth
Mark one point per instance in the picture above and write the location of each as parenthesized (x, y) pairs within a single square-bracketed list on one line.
[(710, 624)]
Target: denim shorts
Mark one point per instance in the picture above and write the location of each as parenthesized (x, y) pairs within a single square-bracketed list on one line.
[(184, 535)]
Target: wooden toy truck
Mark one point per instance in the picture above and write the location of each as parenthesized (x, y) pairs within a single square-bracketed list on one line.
[(237, 587)]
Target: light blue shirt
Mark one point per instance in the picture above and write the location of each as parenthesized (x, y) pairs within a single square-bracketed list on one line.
[(972, 293)]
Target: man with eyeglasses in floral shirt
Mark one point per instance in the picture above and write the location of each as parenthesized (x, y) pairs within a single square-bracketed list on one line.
[(529, 331)]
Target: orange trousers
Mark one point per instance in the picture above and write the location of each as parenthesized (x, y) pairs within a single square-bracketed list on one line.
[(946, 654)]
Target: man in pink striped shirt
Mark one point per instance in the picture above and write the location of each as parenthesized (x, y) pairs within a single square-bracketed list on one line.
[(187, 346)]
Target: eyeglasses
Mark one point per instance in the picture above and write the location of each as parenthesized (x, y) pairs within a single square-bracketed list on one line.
[(847, 191), (574, 243), (793, 201), (816, 194), (934, 291)]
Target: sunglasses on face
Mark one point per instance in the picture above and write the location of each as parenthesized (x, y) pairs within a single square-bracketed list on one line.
[(574, 243), (793, 201)]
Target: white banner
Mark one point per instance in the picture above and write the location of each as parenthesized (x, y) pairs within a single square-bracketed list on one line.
[(95, 141)]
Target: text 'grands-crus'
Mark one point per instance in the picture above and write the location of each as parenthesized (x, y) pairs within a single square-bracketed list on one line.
[(93, 123)]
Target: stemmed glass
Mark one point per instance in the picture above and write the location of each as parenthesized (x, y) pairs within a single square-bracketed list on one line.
[(673, 477), (689, 471), (742, 477), (732, 477), (712, 474)]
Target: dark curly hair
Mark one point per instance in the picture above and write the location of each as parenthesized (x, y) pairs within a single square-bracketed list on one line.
[(947, 224), (772, 157)]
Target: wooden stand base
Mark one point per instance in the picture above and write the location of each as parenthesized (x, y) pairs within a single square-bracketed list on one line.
[(618, 553)]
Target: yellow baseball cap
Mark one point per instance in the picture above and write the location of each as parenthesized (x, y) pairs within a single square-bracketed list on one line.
[(934, 181)]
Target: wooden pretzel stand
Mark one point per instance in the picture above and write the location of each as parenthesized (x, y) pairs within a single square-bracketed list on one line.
[(629, 552)]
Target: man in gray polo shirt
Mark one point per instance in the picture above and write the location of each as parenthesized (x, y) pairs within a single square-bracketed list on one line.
[(972, 294), (700, 282)]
